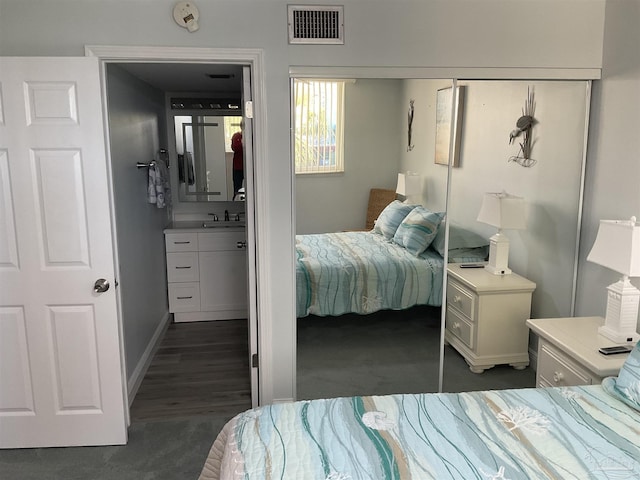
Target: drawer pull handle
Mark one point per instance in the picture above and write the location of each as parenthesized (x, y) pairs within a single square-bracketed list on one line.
[(557, 376), (185, 298), (457, 299), (241, 244), (178, 268), (456, 325), (181, 243)]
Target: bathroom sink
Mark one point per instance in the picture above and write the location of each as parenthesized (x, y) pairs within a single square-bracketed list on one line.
[(219, 224)]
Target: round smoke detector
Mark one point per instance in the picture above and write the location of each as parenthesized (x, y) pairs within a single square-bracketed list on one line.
[(186, 15)]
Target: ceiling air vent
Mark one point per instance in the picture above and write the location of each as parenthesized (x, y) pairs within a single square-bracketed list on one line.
[(316, 24)]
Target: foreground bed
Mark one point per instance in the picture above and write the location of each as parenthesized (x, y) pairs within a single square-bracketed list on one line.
[(555, 433)]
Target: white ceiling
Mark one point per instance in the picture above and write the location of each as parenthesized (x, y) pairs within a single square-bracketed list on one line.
[(188, 77)]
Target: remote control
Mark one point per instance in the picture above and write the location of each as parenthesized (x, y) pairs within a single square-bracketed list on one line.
[(616, 349)]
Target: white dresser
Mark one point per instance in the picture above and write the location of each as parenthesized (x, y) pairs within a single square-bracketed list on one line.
[(568, 352), (206, 273), (485, 318)]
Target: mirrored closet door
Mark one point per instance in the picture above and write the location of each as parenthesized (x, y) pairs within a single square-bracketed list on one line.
[(524, 139), (368, 302)]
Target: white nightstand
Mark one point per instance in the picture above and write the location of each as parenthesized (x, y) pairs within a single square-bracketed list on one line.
[(486, 317), (568, 352)]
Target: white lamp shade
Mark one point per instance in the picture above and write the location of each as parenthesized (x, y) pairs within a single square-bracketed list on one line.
[(408, 184), (503, 211), (617, 246)]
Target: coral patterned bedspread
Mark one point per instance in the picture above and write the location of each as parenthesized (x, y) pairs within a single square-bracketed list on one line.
[(362, 272), (554, 433)]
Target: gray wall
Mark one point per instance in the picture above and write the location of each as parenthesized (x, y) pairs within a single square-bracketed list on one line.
[(136, 123), (545, 251), (405, 33), (613, 165)]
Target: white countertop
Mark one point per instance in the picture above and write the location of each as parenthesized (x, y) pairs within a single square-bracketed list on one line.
[(198, 226)]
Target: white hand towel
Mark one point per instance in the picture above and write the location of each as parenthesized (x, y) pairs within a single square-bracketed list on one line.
[(151, 186)]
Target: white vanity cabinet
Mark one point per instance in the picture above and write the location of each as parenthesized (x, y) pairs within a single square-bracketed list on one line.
[(206, 273)]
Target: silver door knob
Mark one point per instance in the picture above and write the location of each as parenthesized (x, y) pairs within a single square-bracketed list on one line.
[(241, 244), (101, 285)]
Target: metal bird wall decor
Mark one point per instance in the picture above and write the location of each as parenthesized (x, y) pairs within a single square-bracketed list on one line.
[(524, 126), (410, 144)]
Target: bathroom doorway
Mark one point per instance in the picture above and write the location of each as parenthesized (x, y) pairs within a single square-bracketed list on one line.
[(131, 335)]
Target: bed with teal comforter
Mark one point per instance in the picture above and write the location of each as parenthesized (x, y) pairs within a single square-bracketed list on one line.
[(546, 433), (362, 272)]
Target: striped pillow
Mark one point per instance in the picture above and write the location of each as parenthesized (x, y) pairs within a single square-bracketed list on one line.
[(389, 219), (417, 230)]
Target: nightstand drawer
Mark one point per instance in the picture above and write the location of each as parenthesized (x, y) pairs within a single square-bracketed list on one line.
[(181, 242), (184, 297), (461, 298), (460, 327), (557, 369), (182, 267)]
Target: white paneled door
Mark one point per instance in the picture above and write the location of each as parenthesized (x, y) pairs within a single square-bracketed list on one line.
[(60, 361)]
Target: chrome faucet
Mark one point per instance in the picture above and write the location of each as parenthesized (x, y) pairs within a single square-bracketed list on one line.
[(238, 216), (226, 215), (215, 217)]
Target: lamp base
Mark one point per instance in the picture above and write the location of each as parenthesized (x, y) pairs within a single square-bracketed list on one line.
[(497, 270), (618, 337), (621, 318), (498, 254)]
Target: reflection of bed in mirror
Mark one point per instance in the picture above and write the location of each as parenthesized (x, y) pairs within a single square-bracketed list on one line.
[(395, 266), (560, 432)]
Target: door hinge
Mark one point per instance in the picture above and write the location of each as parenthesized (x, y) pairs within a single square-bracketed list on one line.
[(248, 109), (254, 360)]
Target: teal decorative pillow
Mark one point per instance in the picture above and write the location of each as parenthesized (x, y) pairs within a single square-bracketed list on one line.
[(626, 386), (417, 230), (391, 217)]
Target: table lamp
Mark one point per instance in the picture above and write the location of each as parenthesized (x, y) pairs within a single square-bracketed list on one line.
[(505, 212), (408, 185), (617, 247)]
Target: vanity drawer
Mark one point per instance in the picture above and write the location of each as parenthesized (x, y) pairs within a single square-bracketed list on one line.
[(221, 240), (183, 267), (557, 369), (184, 297), (181, 242), (460, 327), (461, 298)]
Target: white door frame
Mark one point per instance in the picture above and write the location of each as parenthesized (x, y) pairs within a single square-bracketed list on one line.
[(259, 243)]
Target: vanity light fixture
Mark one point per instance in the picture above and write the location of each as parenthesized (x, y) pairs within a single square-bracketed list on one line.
[(617, 247), (507, 212)]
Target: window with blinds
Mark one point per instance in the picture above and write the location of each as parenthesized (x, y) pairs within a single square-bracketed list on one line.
[(318, 126)]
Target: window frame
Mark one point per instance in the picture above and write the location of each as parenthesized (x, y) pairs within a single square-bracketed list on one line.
[(338, 115)]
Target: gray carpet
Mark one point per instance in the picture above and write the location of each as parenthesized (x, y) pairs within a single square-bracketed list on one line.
[(163, 450), (384, 353)]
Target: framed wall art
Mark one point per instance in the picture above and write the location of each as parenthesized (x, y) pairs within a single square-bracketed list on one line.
[(445, 115)]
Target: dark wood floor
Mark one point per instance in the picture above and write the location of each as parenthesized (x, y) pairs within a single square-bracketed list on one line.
[(200, 368)]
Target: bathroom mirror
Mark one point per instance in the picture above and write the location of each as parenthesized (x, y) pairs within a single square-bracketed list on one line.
[(205, 157)]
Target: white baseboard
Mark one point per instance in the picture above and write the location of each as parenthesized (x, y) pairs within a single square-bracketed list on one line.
[(133, 384)]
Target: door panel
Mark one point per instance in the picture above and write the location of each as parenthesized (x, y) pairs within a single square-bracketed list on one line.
[(60, 371)]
